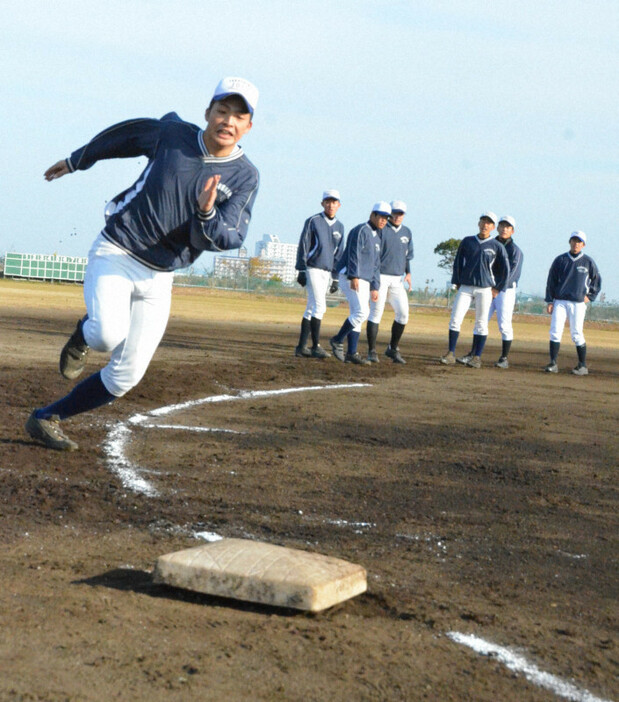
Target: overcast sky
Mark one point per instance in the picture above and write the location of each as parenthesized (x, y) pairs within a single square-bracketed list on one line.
[(453, 106)]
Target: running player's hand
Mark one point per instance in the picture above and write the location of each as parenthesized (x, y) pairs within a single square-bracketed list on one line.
[(587, 299), (374, 295), (495, 292), (408, 281), (57, 170), (206, 199), (354, 284), (549, 307), (302, 278), (335, 286)]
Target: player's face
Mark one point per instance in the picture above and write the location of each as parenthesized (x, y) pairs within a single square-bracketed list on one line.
[(378, 220), (486, 225), (227, 122), (331, 206), (397, 218), (505, 230), (576, 245)]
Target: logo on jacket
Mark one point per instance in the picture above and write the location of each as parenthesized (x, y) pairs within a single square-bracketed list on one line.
[(582, 269), (404, 239), (223, 193), (337, 235)]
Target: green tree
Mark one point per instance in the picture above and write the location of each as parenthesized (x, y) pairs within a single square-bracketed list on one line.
[(447, 251)]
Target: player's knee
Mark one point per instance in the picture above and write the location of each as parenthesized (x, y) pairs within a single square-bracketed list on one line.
[(401, 318), (101, 337)]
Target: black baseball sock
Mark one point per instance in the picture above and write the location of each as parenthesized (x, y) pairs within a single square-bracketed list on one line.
[(372, 332), (397, 330), (344, 331), (505, 348), (87, 395), (582, 354), (315, 329), (305, 332), (554, 350), (479, 341), (453, 340)]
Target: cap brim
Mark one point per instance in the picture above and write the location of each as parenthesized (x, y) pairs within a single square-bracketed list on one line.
[(223, 96)]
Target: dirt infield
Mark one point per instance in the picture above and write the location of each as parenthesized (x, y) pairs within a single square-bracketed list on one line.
[(482, 503)]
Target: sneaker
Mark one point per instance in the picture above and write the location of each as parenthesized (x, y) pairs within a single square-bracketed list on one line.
[(373, 357), (302, 352), (502, 362), (74, 353), (475, 362), (580, 369), (448, 359), (464, 359), (319, 352), (552, 367), (48, 432), (338, 349), (356, 359), (394, 355)]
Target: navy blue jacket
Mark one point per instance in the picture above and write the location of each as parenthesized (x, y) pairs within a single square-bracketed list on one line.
[(482, 263), (514, 254), (361, 257), (157, 220), (573, 277), (396, 250), (320, 243)]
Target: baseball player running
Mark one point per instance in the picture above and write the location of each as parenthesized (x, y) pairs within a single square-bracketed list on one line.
[(573, 280), (320, 244), (503, 304), (480, 271), (359, 275), (195, 194), (396, 253)]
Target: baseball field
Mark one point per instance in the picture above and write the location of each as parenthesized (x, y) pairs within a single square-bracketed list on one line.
[(483, 504)]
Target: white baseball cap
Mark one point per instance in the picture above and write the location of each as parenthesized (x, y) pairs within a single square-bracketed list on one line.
[(398, 206), (510, 220), (579, 235), (331, 195), (237, 86), (382, 208), (490, 214)]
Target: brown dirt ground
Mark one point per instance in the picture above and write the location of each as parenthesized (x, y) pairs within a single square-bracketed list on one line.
[(482, 502)]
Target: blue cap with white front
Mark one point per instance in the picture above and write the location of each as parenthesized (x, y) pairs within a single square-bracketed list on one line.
[(237, 86)]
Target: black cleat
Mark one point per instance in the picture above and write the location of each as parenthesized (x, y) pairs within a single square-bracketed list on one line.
[(394, 355), (302, 352), (356, 359), (74, 353), (319, 352), (338, 349), (373, 356), (48, 432)]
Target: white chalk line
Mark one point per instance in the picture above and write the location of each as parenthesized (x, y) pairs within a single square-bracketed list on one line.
[(518, 663), (119, 437)]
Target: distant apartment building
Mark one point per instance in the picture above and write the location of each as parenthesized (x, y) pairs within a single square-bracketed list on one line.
[(282, 257), (232, 265)]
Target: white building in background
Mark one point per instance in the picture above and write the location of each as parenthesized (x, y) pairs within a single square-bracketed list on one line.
[(231, 266), (272, 249)]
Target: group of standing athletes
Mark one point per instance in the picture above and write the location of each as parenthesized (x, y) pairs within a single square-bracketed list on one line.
[(196, 194), (370, 269), (374, 264)]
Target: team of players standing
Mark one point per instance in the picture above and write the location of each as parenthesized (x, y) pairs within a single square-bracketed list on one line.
[(374, 264)]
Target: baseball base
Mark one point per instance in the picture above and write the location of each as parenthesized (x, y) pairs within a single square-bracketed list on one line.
[(263, 573)]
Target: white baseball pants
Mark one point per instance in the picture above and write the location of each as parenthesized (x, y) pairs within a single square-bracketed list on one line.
[(128, 308), (392, 289), (317, 285), (575, 313), (358, 301), (503, 304), (464, 298)]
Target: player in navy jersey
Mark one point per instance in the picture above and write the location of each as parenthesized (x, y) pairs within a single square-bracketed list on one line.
[(396, 253), (480, 271), (195, 194), (503, 304), (573, 280), (359, 274), (320, 244)]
